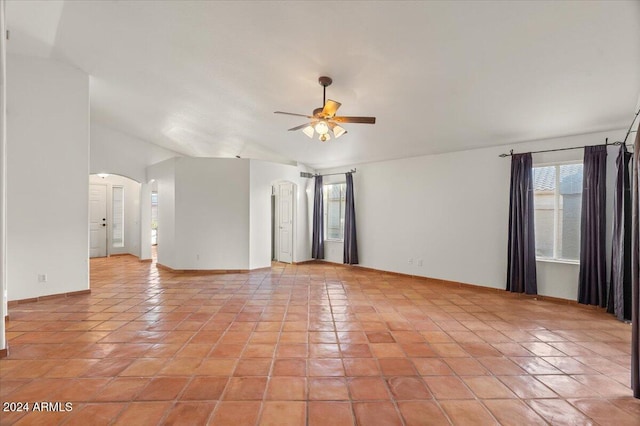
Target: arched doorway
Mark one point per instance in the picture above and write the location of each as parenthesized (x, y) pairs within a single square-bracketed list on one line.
[(114, 215)]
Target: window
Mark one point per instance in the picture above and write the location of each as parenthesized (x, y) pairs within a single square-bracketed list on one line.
[(334, 202), (117, 227), (557, 200), (154, 218)]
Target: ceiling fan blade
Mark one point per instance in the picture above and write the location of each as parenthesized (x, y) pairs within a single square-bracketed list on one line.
[(291, 113), (361, 120), (330, 108), (302, 126)]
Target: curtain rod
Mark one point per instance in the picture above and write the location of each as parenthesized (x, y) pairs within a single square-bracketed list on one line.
[(563, 149), (581, 147), (310, 175), (559, 149), (631, 126)]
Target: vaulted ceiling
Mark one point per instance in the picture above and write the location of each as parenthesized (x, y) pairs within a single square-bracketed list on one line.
[(204, 78)]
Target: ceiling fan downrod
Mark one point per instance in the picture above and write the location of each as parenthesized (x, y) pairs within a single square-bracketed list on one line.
[(324, 82)]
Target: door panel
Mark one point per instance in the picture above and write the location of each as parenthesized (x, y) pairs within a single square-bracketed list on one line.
[(285, 222), (97, 220)]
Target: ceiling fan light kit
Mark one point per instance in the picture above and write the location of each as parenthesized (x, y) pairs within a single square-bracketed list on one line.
[(337, 130), (309, 131), (322, 128), (324, 120)]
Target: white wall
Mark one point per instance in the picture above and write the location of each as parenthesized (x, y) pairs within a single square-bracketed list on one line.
[(3, 180), (47, 185), (118, 153), (131, 212), (164, 174), (215, 213), (212, 213), (450, 211), (145, 221), (203, 213), (263, 175)]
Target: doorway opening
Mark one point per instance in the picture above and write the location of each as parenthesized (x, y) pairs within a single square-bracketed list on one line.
[(114, 215)]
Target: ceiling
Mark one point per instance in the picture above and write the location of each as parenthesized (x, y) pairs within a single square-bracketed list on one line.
[(204, 78)]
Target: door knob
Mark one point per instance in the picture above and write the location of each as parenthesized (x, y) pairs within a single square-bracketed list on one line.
[(104, 218), (104, 224)]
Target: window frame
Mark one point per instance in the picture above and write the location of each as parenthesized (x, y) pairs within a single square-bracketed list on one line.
[(325, 218), (556, 212), (118, 243)]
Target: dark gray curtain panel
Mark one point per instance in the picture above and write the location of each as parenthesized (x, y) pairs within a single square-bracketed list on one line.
[(592, 277), (619, 295), (521, 262), (350, 255), (317, 239), (635, 273)]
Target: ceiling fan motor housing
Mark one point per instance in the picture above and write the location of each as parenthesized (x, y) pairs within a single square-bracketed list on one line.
[(325, 81)]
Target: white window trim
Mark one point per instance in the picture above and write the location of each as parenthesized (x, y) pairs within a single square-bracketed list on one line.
[(561, 261), (556, 163), (118, 244), (325, 213), (555, 258)]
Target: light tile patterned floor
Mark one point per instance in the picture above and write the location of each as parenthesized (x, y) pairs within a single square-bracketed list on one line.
[(311, 344)]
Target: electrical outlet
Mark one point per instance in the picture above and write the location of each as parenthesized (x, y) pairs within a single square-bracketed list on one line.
[(410, 261), (419, 262), (197, 257), (42, 278)]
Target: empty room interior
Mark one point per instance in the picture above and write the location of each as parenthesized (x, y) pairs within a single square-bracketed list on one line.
[(319, 212)]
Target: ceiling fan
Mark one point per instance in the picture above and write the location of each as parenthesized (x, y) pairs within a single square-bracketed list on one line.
[(324, 120)]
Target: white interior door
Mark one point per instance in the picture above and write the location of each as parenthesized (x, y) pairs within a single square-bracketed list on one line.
[(285, 222), (97, 220)]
